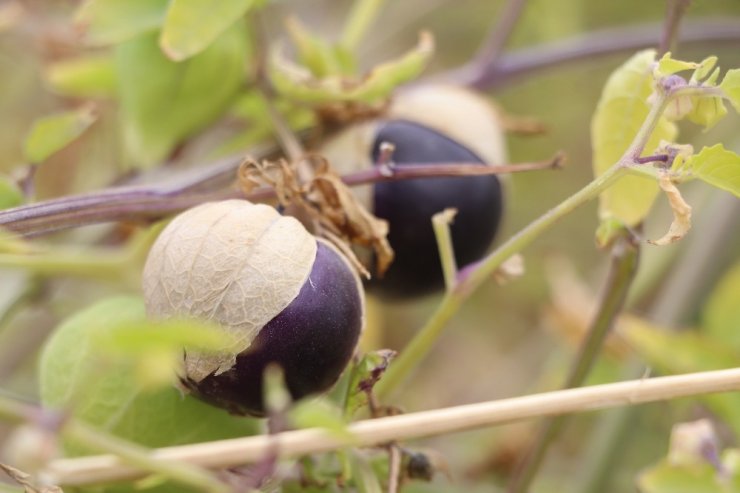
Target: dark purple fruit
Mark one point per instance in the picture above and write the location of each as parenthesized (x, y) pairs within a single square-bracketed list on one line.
[(408, 206), (312, 340), (284, 296), (428, 124)]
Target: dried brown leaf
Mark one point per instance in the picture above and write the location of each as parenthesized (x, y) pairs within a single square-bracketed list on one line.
[(341, 218), (681, 213)]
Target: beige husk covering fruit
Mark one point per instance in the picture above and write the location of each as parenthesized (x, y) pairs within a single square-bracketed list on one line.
[(232, 262)]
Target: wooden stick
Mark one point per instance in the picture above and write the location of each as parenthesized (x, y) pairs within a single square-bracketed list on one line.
[(234, 452)]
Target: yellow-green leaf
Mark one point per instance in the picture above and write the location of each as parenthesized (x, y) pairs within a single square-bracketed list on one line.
[(163, 102), (667, 66), (86, 77), (668, 478), (319, 413), (714, 165), (721, 315), (113, 21), (321, 58), (106, 394), (704, 69), (706, 110), (297, 83), (731, 87), (52, 133), (621, 111), (10, 194), (192, 25)]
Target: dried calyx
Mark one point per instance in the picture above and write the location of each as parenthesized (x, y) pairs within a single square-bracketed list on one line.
[(286, 297)]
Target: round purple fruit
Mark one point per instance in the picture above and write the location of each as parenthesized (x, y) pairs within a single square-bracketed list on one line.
[(286, 298), (428, 125)]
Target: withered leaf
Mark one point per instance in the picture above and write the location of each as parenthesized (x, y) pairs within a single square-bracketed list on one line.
[(326, 199), (681, 213)]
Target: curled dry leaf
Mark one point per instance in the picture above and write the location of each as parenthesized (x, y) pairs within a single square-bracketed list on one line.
[(326, 198), (681, 213)]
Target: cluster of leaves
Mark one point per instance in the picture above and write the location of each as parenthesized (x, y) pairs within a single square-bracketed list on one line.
[(624, 106)]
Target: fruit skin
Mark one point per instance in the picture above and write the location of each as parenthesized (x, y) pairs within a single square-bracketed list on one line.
[(312, 339), (427, 123), (283, 295), (108, 396), (408, 206)]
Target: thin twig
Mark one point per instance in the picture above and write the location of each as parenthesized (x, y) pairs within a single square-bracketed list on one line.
[(526, 61), (234, 452), (441, 225), (150, 202), (491, 49), (625, 254), (674, 13), (15, 410)]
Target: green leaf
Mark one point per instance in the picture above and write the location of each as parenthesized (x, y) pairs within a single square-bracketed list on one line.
[(714, 165), (731, 87), (319, 413), (106, 394), (192, 25), (297, 83), (706, 110), (10, 194), (668, 478), (52, 133), (668, 66), (321, 58), (135, 337), (164, 102), (674, 352), (365, 374), (721, 314), (621, 111), (86, 77), (113, 21), (703, 70)]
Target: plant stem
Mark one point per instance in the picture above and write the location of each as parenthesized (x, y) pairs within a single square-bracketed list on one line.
[(625, 255), (371, 432), (441, 224), (360, 18), (141, 457), (16, 411), (491, 49), (669, 38), (156, 201), (473, 276), (525, 62)]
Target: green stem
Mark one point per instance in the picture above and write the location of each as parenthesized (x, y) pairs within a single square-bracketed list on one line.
[(625, 255), (142, 457), (90, 265), (441, 224), (363, 14), (472, 277), (16, 411)]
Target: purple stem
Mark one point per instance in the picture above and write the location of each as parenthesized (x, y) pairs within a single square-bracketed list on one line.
[(483, 75)]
